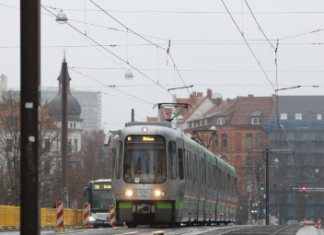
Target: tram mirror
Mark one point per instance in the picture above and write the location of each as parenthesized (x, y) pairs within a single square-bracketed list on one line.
[(107, 139), (85, 190)]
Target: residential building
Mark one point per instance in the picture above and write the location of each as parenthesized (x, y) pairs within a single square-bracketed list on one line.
[(239, 132), (296, 129)]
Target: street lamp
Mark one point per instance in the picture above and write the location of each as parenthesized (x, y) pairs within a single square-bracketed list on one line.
[(317, 171), (61, 18), (276, 161), (129, 75)]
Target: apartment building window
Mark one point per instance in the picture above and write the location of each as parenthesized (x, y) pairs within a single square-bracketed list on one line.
[(298, 116), (249, 140), (75, 145), (206, 121), (201, 122), (319, 116), (283, 116), (318, 212), (258, 140), (224, 158), (255, 120), (220, 121), (69, 145), (216, 141), (224, 137), (74, 125)]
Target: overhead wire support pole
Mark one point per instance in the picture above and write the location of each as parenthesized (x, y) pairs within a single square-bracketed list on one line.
[(65, 160), (30, 76), (267, 186)]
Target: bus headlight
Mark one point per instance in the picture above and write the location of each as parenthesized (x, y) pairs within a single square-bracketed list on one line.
[(129, 193), (159, 193)]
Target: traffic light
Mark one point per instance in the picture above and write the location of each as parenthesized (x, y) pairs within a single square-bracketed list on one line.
[(303, 189), (262, 187), (290, 188)]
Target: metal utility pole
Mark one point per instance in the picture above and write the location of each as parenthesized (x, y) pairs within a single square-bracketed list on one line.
[(267, 186), (65, 160), (133, 115), (30, 41)]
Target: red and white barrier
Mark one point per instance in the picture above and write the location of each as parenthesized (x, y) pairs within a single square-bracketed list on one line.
[(304, 222), (86, 214), (319, 224), (59, 214), (112, 219)]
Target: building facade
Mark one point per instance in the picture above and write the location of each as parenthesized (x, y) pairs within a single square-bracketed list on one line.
[(296, 129), (238, 134)]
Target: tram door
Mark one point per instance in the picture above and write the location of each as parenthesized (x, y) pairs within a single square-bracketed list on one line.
[(202, 187)]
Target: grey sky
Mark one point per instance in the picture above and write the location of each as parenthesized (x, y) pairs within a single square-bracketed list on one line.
[(199, 41)]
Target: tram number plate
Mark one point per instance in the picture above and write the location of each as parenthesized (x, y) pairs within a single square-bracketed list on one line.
[(143, 193)]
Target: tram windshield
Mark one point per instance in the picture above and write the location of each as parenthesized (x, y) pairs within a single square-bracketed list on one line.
[(145, 160), (101, 200)]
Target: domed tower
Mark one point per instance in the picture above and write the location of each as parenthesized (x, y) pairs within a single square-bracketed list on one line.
[(73, 111)]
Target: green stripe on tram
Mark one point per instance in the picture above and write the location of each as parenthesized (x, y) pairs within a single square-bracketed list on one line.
[(125, 205), (178, 205), (164, 205)]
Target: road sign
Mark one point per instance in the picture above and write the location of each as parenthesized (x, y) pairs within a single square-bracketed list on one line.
[(264, 211), (86, 214)]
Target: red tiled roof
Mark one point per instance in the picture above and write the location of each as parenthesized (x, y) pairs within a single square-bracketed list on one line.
[(249, 104), (153, 119), (225, 108), (194, 101)]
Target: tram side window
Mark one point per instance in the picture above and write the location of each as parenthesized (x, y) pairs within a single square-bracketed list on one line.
[(114, 162), (189, 165), (180, 161), (119, 159), (195, 167), (173, 174), (202, 171)]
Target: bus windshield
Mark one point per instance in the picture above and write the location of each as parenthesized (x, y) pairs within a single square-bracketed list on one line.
[(101, 200), (145, 161)]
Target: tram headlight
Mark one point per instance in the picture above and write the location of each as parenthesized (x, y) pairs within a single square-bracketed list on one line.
[(129, 193), (159, 193)]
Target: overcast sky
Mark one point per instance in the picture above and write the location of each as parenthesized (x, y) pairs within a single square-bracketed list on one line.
[(206, 46)]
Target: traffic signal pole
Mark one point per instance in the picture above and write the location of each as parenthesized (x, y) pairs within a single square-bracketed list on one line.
[(267, 186), (29, 111)]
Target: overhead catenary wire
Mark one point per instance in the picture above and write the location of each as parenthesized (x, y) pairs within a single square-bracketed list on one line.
[(112, 87), (258, 24), (248, 45), (111, 52)]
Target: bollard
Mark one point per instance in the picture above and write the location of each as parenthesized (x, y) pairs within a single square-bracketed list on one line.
[(86, 214), (319, 224), (112, 219), (59, 216)]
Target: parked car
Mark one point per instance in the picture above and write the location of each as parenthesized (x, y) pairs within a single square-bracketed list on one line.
[(292, 222)]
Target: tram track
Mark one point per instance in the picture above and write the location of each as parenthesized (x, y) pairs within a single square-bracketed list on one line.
[(261, 230)]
